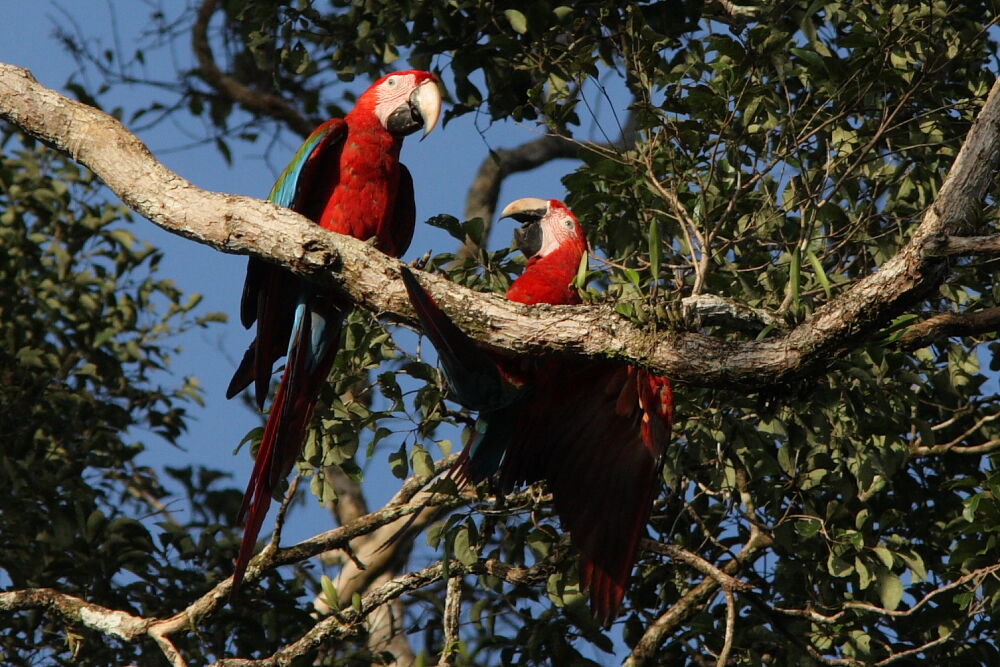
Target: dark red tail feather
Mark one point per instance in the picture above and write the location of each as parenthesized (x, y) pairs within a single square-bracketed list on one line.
[(305, 372)]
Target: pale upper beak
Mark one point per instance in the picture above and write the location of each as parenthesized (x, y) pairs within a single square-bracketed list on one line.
[(427, 97), (528, 207)]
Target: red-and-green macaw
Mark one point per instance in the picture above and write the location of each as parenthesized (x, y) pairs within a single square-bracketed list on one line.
[(594, 431), (347, 178)]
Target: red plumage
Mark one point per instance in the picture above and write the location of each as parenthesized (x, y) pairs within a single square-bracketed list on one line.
[(594, 431), (346, 177)]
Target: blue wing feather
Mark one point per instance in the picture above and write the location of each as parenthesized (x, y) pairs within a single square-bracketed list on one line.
[(269, 293), (323, 137)]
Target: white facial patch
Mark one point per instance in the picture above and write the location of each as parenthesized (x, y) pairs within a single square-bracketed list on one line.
[(393, 93), (558, 226)]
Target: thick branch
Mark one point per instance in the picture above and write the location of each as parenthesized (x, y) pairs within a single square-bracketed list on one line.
[(76, 611), (452, 617), (242, 225), (714, 310)]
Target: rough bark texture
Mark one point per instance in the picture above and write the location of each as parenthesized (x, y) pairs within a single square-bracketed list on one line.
[(943, 326), (243, 225)]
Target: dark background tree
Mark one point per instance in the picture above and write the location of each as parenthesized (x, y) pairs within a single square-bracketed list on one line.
[(775, 196)]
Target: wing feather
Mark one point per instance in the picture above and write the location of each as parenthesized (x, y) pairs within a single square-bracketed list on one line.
[(598, 443), (271, 292)]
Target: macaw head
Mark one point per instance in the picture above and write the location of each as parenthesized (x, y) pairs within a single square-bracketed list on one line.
[(546, 224), (404, 102)]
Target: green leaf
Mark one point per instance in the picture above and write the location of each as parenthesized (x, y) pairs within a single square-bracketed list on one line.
[(794, 266), (462, 547), (807, 527), (655, 250), (811, 57), (445, 446), (971, 504), (397, 462), (423, 464), (864, 575), (916, 565), (817, 268), (890, 589), (885, 556), (330, 592), (517, 20), (580, 280), (838, 567)]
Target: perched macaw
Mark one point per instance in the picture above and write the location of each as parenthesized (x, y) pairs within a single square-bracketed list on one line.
[(347, 178), (594, 431)]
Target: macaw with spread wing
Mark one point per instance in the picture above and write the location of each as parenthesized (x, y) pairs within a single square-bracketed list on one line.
[(594, 431), (347, 178)]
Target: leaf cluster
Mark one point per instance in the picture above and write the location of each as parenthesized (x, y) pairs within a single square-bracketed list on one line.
[(87, 331)]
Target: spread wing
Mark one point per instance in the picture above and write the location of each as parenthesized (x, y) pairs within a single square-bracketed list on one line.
[(596, 433)]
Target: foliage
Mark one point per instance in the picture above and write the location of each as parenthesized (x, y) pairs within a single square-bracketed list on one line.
[(778, 158), (87, 328)]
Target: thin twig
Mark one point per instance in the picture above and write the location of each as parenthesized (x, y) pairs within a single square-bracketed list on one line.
[(452, 612), (727, 645)]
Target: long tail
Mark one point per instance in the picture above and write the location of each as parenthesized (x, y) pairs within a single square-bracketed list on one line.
[(270, 295), (312, 348)]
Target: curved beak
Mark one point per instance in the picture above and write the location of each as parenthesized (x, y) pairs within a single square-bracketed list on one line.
[(529, 212), (426, 101), (529, 209)]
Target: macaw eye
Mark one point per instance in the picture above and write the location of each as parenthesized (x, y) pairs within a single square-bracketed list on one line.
[(391, 82), (569, 224)]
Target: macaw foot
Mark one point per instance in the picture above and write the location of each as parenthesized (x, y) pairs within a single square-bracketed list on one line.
[(422, 262)]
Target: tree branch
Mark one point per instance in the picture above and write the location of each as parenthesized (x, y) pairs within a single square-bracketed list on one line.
[(252, 99), (452, 617), (646, 650), (76, 611), (348, 623), (242, 225), (944, 245), (727, 582), (714, 310), (945, 325), (130, 628), (727, 644)]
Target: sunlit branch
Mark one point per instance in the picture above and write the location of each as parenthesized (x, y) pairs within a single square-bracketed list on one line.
[(351, 267)]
